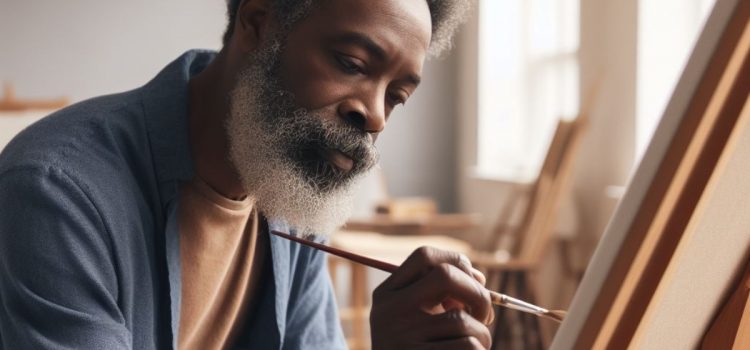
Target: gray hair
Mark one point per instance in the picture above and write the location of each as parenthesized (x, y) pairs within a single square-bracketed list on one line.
[(446, 16)]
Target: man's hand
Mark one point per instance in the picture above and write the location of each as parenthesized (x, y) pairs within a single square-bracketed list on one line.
[(435, 300)]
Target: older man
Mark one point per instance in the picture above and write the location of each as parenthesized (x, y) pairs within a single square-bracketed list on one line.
[(140, 220)]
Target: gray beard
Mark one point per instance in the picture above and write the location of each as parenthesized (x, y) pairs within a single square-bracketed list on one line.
[(276, 148)]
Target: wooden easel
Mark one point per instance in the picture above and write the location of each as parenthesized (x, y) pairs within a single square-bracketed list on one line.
[(9, 102), (660, 274)]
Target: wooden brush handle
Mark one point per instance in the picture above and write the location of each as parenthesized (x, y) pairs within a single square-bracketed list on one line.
[(377, 264), (497, 298)]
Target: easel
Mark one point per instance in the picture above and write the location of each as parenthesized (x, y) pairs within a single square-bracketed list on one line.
[(659, 276), (9, 102)]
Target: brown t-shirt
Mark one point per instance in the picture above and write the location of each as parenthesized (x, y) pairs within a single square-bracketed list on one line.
[(221, 257)]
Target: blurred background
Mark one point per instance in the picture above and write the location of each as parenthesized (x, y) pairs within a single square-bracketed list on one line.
[(515, 149)]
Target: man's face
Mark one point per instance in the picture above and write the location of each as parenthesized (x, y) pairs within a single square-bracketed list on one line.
[(358, 59), (306, 109)]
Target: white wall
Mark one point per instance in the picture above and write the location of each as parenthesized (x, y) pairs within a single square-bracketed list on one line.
[(476, 195), (85, 48), (418, 146), (608, 54), (665, 42)]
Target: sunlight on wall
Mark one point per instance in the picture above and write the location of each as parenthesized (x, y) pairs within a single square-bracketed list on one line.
[(528, 78), (667, 31)]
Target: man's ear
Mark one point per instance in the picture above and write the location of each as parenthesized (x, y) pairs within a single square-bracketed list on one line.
[(251, 23)]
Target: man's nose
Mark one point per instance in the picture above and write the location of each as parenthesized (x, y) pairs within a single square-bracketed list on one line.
[(368, 117)]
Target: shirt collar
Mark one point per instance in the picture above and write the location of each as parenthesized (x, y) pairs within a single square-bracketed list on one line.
[(165, 103)]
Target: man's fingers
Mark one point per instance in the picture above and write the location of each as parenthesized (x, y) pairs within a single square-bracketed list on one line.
[(447, 281), (479, 276), (445, 278), (455, 324), (421, 261), (418, 292)]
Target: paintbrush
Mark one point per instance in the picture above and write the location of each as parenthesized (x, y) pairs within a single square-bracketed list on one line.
[(497, 298)]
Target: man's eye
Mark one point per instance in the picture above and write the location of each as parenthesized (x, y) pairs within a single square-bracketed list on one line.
[(396, 99), (349, 65)]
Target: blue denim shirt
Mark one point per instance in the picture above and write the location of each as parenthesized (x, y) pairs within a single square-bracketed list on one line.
[(89, 243)]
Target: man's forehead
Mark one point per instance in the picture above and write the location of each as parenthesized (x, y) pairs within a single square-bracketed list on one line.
[(407, 21)]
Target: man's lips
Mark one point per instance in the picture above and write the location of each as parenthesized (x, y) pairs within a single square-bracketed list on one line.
[(339, 159)]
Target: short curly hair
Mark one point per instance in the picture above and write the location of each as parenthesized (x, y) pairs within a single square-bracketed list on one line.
[(446, 15)]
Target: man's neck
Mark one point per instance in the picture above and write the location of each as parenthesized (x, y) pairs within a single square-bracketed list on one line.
[(208, 110)]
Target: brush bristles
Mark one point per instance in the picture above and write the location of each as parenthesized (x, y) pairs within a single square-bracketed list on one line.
[(556, 315)]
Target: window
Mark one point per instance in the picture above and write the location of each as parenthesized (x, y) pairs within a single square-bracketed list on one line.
[(528, 78), (667, 31)]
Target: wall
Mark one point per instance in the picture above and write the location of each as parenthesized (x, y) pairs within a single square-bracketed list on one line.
[(476, 195), (418, 146), (608, 59), (85, 48), (665, 42)]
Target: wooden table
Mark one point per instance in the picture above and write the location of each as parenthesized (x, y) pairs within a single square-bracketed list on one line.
[(427, 225)]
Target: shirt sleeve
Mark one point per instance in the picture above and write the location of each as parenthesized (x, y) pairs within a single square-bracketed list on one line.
[(313, 321), (58, 285)]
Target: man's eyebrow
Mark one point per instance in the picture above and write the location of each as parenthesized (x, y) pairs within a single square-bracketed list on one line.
[(364, 41)]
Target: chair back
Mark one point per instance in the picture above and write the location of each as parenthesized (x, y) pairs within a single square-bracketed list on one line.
[(537, 226)]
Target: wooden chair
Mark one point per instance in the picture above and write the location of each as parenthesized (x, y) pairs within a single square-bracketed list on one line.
[(508, 269)]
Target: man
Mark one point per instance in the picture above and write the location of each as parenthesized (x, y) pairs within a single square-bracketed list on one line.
[(140, 220)]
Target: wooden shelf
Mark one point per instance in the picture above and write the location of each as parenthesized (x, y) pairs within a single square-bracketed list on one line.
[(9, 102)]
